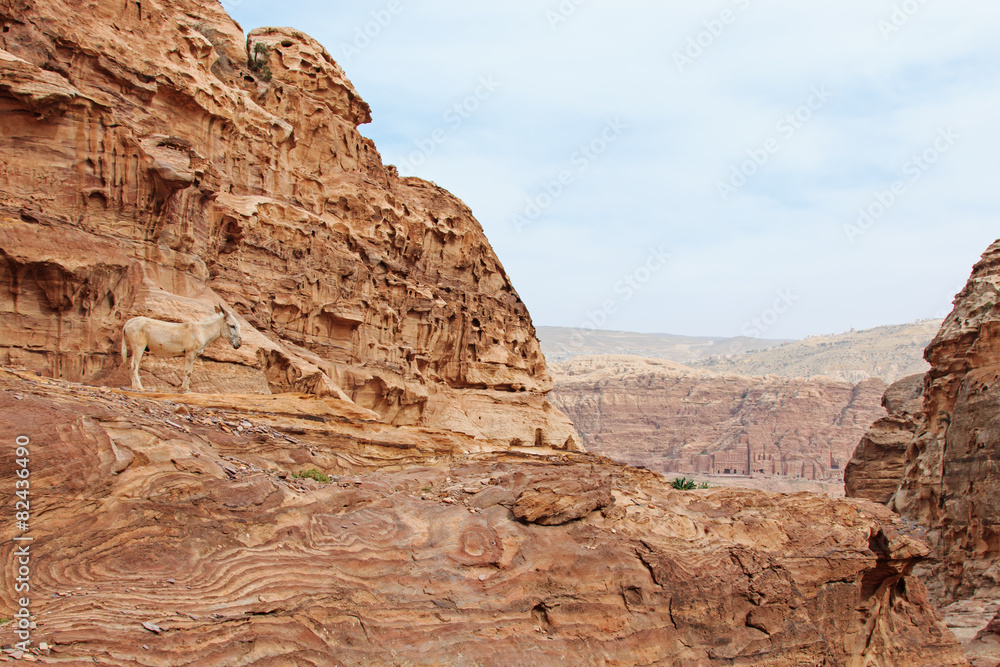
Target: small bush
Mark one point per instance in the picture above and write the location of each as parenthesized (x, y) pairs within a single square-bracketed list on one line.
[(683, 484), (312, 474), (257, 60)]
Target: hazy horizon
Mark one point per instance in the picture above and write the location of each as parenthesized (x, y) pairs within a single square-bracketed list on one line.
[(739, 335), (691, 168)]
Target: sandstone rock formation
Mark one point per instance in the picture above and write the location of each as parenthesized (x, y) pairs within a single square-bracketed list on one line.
[(948, 480), (880, 459), (672, 418), (155, 162), (170, 530)]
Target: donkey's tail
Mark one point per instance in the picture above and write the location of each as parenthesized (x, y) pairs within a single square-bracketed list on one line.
[(124, 350)]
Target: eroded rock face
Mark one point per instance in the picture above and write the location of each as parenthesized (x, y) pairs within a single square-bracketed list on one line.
[(676, 419), (171, 528), (879, 462), (950, 482), (148, 166), (940, 461)]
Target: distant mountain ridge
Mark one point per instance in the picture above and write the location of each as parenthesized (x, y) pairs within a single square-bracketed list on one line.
[(563, 343), (888, 352)]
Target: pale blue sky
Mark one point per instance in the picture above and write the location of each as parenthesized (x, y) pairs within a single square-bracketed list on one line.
[(832, 98)]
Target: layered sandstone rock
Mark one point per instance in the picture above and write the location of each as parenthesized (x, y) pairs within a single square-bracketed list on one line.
[(171, 530), (880, 459), (155, 162), (950, 483), (673, 418)]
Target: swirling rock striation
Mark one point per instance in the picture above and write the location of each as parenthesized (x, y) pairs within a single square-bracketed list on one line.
[(171, 530)]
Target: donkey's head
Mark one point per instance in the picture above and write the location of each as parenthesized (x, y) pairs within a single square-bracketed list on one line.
[(230, 327)]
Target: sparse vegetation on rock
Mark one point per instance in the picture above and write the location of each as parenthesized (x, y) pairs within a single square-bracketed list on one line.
[(312, 473), (257, 61)]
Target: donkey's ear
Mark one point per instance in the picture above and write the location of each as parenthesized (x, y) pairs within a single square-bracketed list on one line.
[(219, 309)]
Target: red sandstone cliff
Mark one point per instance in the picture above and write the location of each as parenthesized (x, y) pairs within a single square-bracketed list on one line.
[(677, 419), (934, 460), (879, 461), (950, 483), (146, 169)]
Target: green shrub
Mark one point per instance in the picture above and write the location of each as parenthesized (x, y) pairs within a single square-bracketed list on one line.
[(257, 60), (312, 474), (683, 484)]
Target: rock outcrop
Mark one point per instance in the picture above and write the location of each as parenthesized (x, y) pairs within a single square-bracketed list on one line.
[(171, 530), (880, 459), (155, 162), (950, 482), (939, 462), (676, 419)]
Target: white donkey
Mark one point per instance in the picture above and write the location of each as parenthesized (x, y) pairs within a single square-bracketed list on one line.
[(170, 339)]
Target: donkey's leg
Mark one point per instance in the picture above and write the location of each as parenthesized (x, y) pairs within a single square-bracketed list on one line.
[(137, 352), (188, 369)]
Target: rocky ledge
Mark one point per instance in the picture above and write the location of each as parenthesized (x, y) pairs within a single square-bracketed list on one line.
[(173, 530)]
